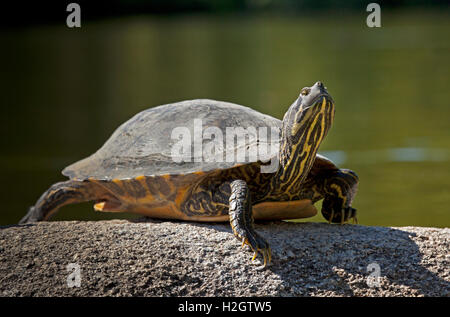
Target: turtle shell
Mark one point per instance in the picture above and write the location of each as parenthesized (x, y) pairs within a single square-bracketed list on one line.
[(144, 145)]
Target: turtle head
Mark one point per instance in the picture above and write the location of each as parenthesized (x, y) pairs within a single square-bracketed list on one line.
[(313, 110), (305, 125)]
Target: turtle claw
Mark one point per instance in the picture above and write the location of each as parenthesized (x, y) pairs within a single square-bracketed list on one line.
[(351, 215), (259, 245), (267, 255), (331, 217)]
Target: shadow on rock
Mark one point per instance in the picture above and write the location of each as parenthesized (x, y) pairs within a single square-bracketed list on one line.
[(321, 258)]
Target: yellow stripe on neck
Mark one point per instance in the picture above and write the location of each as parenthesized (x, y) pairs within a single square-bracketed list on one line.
[(310, 149)]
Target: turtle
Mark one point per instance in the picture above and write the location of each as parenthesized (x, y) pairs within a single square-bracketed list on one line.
[(171, 162)]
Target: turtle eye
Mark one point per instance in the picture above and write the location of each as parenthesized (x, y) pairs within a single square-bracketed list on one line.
[(305, 91)]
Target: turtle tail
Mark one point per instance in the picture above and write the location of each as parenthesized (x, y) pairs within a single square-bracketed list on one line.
[(58, 195)]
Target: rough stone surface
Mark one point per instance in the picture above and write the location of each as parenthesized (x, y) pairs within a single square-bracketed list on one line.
[(162, 258)]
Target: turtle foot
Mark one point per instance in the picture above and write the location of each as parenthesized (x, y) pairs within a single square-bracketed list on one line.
[(258, 245), (334, 213), (31, 216)]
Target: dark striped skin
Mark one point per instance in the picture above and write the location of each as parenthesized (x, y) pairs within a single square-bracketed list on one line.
[(302, 133)]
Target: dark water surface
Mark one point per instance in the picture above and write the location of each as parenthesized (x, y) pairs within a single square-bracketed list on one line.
[(65, 91)]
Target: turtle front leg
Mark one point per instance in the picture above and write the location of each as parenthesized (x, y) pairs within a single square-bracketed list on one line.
[(241, 220), (339, 189)]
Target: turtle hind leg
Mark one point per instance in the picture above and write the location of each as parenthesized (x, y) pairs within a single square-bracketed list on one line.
[(241, 220), (58, 195), (339, 189)]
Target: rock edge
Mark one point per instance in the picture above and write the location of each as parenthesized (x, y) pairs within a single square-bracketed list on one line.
[(165, 258)]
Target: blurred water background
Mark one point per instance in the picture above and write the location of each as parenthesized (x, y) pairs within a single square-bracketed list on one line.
[(64, 91)]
